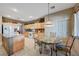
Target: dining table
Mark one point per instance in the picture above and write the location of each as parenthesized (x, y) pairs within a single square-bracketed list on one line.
[(50, 42)]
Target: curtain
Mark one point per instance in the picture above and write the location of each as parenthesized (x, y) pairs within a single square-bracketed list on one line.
[(76, 24)]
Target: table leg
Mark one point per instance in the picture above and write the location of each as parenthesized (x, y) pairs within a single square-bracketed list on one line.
[(51, 51)]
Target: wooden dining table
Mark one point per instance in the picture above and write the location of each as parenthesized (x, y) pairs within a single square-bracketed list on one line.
[(48, 42)]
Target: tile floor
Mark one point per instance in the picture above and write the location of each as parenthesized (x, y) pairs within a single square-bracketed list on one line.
[(30, 50)]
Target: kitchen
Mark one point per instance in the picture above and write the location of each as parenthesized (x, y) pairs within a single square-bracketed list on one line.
[(19, 35)]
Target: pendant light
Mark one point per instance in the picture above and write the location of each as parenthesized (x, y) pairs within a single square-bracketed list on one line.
[(48, 23)]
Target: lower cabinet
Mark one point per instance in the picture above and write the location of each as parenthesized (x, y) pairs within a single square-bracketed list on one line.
[(12, 46)]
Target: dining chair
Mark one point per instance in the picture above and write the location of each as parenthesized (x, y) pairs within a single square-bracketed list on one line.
[(35, 39), (37, 43), (40, 45), (46, 47), (66, 48), (52, 36)]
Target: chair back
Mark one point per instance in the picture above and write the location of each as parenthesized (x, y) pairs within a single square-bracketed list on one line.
[(52, 36), (70, 41)]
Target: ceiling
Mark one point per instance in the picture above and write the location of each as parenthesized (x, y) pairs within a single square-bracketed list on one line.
[(30, 11)]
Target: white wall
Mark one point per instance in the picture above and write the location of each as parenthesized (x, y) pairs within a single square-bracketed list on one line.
[(0, 30), (59, 27), (59, 21)]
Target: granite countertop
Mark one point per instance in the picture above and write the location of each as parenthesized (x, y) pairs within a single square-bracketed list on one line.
[(15, 37), (18, 37)]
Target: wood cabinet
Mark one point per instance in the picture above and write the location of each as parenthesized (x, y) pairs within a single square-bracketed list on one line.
[(12, 36), (39, 25), (5, 44), (12, 45), (39, 30), (29, 26), (18, 45), (34, 26)]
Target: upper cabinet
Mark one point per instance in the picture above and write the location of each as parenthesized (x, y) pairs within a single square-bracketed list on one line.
[(29, 26), (38, 24), (34, 26)]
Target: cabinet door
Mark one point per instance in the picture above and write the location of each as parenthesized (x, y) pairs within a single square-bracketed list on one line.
[(18, 45)]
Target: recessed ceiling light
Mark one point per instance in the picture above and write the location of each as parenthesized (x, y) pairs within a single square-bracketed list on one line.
[(14, 9), (30, 16)]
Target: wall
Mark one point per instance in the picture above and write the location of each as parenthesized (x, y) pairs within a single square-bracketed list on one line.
[(0, 30), (76, 8), (62, 23)]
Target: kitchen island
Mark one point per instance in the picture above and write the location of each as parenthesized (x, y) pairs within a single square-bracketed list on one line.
[(13, 44)]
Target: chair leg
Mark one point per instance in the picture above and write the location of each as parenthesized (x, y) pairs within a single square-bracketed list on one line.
[(66, 54), (51, 51), (56, 52), (35, 46), (70, 53), (40, 50), (45, 46)]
